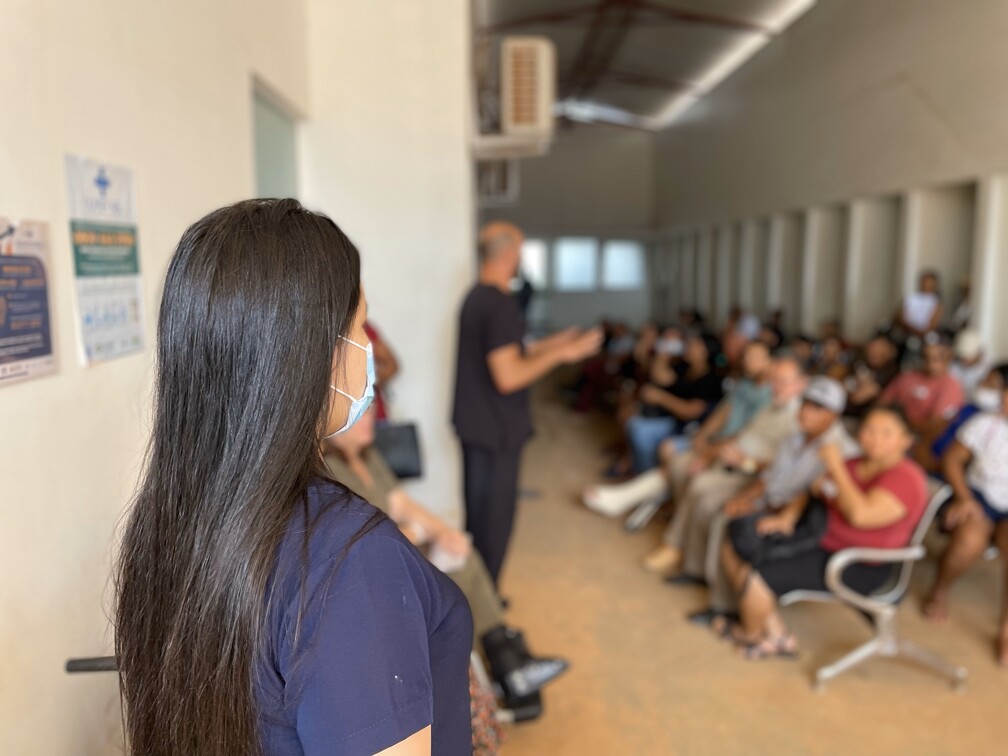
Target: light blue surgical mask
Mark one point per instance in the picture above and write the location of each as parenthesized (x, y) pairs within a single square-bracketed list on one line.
[(358, 406)]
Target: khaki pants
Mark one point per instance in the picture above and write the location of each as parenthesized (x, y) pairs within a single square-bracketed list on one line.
[(698, 517), (474, 581), (722, 595)]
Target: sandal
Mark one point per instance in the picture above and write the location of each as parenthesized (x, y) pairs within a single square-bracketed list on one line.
[(727, 627), (784, 646)]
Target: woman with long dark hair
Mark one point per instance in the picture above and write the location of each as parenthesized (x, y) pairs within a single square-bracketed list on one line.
[(262, 607)]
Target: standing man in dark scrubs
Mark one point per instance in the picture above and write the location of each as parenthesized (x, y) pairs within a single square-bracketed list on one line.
[(494, 370)]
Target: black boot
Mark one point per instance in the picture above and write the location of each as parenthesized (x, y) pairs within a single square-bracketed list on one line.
[(513, 666)]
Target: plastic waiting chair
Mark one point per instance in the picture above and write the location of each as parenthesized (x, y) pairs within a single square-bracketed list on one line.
[(882, 605)]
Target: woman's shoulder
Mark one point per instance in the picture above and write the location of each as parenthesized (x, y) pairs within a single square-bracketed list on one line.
[(327, 520), (908, 480)]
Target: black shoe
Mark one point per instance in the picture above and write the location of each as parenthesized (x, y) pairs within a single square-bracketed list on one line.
[(683, 579), (524, 708), (533, 675), (514, 667)]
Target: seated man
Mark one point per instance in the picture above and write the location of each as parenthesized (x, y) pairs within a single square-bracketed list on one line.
[(976, 466), (930, 396), (747, 398), (716, 477), (353, 461), (769, 505), (875, 501)]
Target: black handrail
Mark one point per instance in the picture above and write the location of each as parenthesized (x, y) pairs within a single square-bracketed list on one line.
[(93, 664)]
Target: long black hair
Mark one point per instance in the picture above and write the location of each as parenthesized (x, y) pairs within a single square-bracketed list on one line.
[(256, 298)]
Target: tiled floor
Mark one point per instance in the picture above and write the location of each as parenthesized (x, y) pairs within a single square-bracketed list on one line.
[(643, 681)]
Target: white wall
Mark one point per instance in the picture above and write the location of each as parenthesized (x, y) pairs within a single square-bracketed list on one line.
[(164, 88), (857, 98), (385, 155), (594, 180)]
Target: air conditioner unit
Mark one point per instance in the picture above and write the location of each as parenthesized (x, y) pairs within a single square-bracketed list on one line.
[(527, 94)]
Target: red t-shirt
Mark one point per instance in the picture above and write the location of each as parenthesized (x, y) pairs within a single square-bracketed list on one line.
[(907, 482), (381, 412), (924, 398)]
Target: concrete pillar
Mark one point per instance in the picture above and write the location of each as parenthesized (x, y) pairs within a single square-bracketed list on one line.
[(908, 260), (784, 268), (823, 260), (870, 281), (705, 270), (687, 270), (724, 275), (990, 266), (747, 265)]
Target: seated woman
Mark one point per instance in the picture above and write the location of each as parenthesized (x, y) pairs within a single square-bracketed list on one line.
[(354, 461), (976, 466), (689, 394), (874, 500), (985, 398), (679, 393)]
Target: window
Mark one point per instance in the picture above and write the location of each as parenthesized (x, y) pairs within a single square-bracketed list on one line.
[(623, 265), (535, 258), (275, 149), (575, 264)]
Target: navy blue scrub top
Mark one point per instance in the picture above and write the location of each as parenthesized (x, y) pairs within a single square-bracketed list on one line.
[(383, 645)]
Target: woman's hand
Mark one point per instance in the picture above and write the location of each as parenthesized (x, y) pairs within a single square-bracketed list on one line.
[(651, 394), (831, 456), (961, 510), (454, 542), (740, 506), (731, 456)]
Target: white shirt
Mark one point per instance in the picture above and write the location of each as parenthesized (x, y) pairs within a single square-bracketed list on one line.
[(918, 309), (797, 463), (969, 377), (986, 436)]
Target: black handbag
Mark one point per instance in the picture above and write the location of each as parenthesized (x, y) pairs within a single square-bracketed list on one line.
[(399, 444), (759, 549)]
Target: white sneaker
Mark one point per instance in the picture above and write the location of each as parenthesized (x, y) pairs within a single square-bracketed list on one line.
[(596, 502)]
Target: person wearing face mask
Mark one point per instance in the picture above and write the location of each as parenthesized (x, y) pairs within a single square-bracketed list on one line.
[(261, 606), (976, 466), (986, 398), (494, 370)]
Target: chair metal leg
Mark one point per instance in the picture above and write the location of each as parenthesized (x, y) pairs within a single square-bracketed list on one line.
[(643, 514), (862, 653), (927, 658)]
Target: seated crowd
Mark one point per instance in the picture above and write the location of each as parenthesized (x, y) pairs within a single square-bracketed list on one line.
[(777, 453)]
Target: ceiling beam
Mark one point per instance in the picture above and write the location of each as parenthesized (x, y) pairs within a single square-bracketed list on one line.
[(577, 15), (602, 40), (679, 15), (582, 14), (648, 81)]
